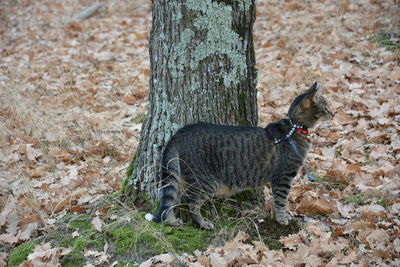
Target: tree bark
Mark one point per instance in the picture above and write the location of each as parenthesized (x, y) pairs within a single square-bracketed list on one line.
[(202, 69)]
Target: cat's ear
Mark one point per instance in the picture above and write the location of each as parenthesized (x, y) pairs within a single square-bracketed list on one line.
[(314, 92), (311, 95)]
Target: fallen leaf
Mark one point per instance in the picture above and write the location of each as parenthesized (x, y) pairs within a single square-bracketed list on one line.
[(316, 206), (27, 231), (45, 256), (75, 234), (31, 153), (291, 241), (97, 223), (377, 239)]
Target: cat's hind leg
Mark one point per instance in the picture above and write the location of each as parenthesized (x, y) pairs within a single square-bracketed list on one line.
[(195, 208), (172, 220)]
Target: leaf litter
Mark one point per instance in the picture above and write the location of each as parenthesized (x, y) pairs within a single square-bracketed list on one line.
[(69, 91)]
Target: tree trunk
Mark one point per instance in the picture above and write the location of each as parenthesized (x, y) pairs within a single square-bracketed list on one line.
[(202, 69)]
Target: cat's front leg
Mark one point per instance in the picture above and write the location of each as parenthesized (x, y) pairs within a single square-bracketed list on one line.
[(280, 192)]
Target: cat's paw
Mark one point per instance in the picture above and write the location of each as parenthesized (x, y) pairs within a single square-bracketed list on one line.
[(207, 226), (283, 219), (175, 222)]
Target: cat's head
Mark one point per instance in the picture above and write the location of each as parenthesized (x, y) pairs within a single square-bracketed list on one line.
[(309, 107)]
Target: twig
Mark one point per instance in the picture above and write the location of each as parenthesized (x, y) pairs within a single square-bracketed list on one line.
[(87, 13)]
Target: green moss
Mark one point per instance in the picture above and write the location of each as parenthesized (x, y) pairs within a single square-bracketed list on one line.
[(79, 244), (357, 198), (186, 238), (139, 118), (81, 223), (389, 40), (131, 167), (384, 202), (73, 259), (88, 236), (128, 180), (147, 239), (60, 239), (19, 254), (136, 240), (126, 264), (124, 238), (332, 183)]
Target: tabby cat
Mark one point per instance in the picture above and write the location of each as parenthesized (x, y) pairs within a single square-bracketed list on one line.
[(205, 160)]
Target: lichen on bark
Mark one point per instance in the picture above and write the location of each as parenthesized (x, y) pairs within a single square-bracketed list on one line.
[(220, 39)]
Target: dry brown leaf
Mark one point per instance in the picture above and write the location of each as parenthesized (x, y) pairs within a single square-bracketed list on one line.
[(241, 236), (9, 238), (97, 223), (13, 221), (162, 259), (27, 231), (3, 259), (101, 256), (31, 153), (217, 260), (316, 206), (10, 206), (351, 257), (129, 99), (373, 211), (39, 171), (44, 255), (377, 239), (291, 241)]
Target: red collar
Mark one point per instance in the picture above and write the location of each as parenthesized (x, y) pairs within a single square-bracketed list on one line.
[(302, 131)]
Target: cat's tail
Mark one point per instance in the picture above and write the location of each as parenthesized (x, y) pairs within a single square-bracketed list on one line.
[(169, 182)]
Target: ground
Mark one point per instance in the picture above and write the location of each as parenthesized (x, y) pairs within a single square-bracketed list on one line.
[(73, 97)]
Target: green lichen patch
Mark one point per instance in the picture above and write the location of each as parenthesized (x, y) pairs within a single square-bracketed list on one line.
[(211, 36)]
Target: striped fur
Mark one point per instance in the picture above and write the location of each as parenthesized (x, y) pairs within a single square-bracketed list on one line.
[(205, 160)]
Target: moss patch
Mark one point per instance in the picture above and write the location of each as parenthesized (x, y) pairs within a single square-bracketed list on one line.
[(390, 40), (139, 118), (145, 239), (333, 182), (131, 239), (131, 167), (19, 254), (127, 182), (357, 198)]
